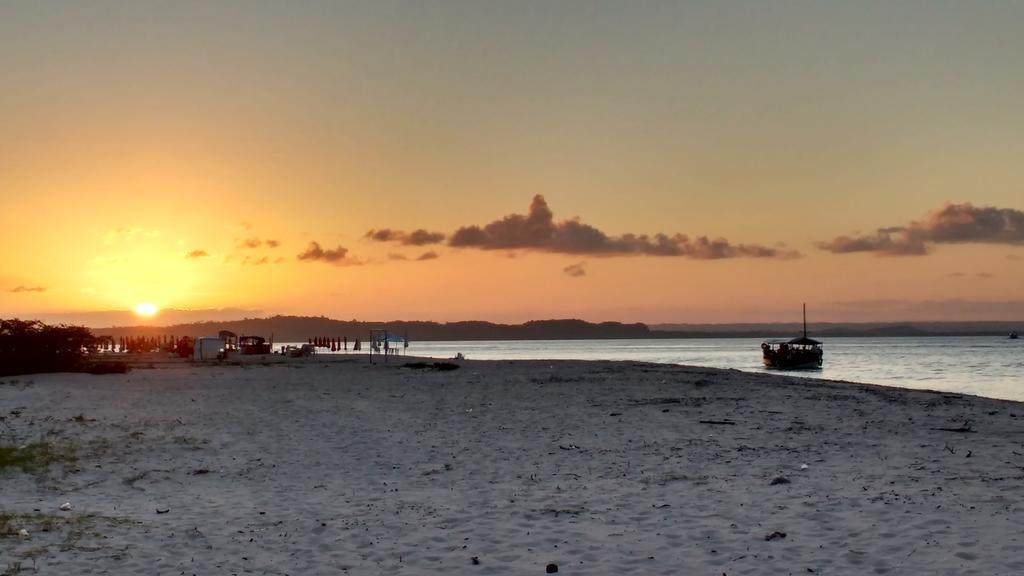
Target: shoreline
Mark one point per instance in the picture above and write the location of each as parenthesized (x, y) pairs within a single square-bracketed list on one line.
[(601, 467), (159, 360)]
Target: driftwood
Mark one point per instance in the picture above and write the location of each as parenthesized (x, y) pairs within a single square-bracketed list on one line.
[(720, 422), (966, 428)]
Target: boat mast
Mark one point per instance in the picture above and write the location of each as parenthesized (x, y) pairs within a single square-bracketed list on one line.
[(805, 319)]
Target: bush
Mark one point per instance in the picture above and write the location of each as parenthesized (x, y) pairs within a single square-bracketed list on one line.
[(29, 346)]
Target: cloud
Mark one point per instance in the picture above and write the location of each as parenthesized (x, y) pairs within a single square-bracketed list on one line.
[(28, 289), (887, 242), (951, 224), (337, 256), (197, 254), (430, 255), (537, 230), (576, 270), (419, 237), (248, 243), (252, 243), (128, 234), (986, 275), (383, 235)]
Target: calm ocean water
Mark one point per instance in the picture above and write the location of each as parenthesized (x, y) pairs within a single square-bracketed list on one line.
[(985, 366)]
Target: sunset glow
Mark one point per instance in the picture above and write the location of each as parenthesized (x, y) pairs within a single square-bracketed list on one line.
[(696, 162), (145, 309)]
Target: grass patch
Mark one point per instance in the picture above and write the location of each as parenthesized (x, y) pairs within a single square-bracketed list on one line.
[(79, 532), (35, 457), (10, 523), (190, 442)]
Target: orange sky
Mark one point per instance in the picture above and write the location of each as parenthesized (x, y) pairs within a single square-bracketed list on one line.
[(133, 135)]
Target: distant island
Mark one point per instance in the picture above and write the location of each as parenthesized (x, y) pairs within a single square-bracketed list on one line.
[(299, 328)]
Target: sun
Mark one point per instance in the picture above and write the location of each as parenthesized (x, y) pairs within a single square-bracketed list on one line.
[(145, 309)]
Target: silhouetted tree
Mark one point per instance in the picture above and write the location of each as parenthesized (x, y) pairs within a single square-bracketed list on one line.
[(29, 346)]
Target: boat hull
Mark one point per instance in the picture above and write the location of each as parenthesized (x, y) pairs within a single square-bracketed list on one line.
[(793, 365)]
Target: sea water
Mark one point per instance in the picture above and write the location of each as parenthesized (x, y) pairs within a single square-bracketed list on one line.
[(982, 365)]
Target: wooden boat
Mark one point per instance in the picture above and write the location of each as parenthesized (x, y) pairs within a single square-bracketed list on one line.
[(253, 345), (800, 353)]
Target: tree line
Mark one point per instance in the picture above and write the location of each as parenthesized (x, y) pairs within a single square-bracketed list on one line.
[(30, 346)]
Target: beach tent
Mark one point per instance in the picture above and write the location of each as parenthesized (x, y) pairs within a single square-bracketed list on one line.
[(207, 348)]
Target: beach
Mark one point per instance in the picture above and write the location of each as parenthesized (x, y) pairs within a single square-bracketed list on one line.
[(505, 467)]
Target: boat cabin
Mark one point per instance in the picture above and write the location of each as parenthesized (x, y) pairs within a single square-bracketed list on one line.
[(253, 345), (794, 354)]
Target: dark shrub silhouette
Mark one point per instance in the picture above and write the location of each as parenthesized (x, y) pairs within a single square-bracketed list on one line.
[(29, 346)]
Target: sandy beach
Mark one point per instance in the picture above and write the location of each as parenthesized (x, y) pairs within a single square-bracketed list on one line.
[(312, 467)]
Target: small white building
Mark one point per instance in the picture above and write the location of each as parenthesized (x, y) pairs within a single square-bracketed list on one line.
[(207, 348)]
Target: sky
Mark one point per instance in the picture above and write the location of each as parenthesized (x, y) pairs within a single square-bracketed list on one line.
[(632, 161)]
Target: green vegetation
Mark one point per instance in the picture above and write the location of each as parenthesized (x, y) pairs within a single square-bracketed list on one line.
[(10, 523), (35, 457), (77, 530)]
